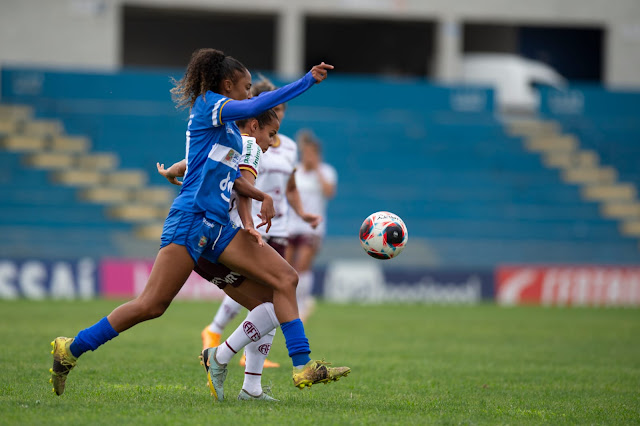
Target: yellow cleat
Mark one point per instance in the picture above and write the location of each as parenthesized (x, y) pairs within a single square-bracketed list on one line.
[(209, 339), (63, 363), (317, 372)]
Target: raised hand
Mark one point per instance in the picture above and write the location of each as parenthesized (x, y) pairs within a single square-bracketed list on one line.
[(319, 72)]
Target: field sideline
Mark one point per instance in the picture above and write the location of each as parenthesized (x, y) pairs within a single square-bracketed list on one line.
[(412, 364)]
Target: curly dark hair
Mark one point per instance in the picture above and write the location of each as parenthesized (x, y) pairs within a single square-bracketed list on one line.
[(263, 118), (206, 71)]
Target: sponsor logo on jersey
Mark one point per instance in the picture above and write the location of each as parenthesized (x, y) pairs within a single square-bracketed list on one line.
[(251, 331), (225, 155), (230, 278), (226, 185)]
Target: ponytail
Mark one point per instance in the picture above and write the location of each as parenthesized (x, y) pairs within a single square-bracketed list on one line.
[(206, 71)]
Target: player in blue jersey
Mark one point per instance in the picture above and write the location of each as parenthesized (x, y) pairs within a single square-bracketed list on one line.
[(277, 179), (216, 88), (258, 134)]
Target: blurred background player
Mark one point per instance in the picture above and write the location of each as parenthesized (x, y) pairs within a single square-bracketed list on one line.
[(316, 183), (276, 178)]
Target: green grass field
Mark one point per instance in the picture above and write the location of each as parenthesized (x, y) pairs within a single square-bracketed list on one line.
[(412, 364)]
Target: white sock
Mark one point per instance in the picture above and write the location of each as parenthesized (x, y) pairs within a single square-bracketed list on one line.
[(303, 292), (226, 312), (259, 322), (256, 354)]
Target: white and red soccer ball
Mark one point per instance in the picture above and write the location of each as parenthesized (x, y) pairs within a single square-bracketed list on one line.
[(383, 235)]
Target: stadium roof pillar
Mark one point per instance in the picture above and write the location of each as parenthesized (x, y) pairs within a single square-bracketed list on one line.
[(448, 49), (290, 42)]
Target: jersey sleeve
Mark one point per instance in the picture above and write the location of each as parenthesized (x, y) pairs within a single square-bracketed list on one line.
[(213, 106), (329, 173), (232, 110), (251, 152)]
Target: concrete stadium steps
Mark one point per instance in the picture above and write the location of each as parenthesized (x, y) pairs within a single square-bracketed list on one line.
[(13, 116), (598, 183), (162, 196), (57, 184), (614, 137), (138, 212), (149, 231), (92, 178), (62, 160)]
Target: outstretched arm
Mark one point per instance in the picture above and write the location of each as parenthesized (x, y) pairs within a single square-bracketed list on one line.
[(237, 110)]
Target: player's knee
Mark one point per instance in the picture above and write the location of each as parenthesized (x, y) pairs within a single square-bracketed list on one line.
[(290, 279), (153, 309)]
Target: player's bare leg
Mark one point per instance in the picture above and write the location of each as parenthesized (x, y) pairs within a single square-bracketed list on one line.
[(266, 267), (269, 268), (170, 270)]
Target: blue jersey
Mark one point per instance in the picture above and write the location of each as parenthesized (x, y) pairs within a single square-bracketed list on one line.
[(214, 147)]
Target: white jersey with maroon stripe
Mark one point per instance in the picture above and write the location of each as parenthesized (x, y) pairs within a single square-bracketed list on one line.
[(276, 167), (250, 160)]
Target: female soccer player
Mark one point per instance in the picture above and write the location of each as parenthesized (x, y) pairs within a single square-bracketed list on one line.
[(316, 182), (216, 88), (277, 179), (258, 134)]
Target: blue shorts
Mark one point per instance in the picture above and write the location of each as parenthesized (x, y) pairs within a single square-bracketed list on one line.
[(200, 236)]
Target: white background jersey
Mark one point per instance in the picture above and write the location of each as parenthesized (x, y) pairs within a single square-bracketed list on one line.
[(313, 201), (249, 160), (276, 167)]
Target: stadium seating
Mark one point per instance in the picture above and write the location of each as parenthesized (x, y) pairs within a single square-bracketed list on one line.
[(62, 200), (474, 189)]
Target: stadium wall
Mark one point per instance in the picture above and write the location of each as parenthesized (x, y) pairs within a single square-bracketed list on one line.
[(88, 33), (344, 282)]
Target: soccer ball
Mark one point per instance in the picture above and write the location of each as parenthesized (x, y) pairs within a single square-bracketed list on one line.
[(383, 235)]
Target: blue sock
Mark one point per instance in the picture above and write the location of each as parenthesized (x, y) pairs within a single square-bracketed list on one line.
[(90, 338), (296, 341)]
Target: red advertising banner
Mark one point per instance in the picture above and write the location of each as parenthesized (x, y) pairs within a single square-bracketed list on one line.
[(568, 285), (127, 278)]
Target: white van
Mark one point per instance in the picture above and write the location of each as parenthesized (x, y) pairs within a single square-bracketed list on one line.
[(514, 78)]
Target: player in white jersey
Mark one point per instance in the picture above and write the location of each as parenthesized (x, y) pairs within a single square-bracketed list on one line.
[(316, 182), (276, 178)]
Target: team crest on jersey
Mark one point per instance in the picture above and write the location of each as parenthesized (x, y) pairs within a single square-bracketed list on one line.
[(203, 241)]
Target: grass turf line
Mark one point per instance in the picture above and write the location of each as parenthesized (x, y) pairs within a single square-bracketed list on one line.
[(417, 364)]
